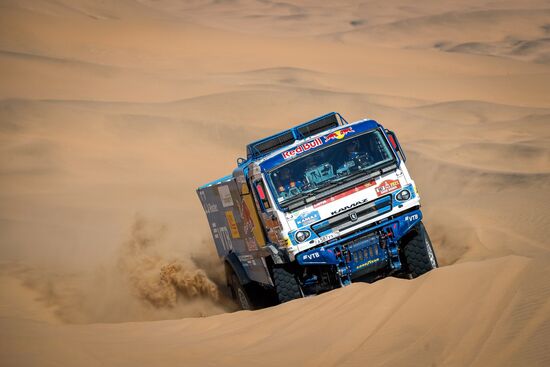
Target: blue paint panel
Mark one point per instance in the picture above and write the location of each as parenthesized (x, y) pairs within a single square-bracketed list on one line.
[(403, 224), (320, 256), (360, 244), (292, 235), (410, 188), (355, 258), (383, 201), (407, 222)]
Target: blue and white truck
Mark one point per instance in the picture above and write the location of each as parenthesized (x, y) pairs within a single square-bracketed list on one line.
[(315, 207)]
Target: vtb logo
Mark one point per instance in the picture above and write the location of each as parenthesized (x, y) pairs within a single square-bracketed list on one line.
[(339, 134)]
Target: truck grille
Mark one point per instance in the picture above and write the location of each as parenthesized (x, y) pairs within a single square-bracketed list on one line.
[(364, 255), (354, 216)]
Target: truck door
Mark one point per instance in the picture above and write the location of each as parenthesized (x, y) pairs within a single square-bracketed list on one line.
[(269, 219), (254, 238)]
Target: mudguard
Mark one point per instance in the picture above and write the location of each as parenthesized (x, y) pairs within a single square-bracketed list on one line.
[(235, 264)]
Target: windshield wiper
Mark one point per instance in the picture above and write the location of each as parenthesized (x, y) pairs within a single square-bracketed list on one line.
[(328, 189), (372, 172), (362, 173), (350, 181), (296, 198), (309, 195)]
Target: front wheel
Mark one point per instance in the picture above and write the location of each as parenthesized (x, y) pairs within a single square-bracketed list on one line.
[(286, 284), (418, 253)]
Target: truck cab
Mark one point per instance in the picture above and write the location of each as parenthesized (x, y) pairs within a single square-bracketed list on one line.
[(314, 208)]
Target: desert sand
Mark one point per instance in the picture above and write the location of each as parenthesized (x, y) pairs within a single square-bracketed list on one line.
[(112, 113)]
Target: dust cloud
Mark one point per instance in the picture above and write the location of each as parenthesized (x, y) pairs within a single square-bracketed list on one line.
[(144, 282), (155, 280)]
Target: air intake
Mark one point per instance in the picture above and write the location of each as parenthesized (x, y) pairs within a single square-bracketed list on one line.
[(270, 144), (318, 125), (264, 146)]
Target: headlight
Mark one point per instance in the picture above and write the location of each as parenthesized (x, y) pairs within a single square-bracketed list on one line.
[(404, 195), (301, 236)]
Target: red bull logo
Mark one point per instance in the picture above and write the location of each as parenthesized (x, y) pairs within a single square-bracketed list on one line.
[(302, 148), (339, 134)]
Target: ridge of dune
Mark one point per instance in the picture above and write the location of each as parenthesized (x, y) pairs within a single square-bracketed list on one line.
[(131, 60)]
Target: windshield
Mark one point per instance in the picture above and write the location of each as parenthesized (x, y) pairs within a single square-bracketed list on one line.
[(329, 166)]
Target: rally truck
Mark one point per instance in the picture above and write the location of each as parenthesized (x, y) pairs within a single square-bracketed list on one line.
[(315, 207)]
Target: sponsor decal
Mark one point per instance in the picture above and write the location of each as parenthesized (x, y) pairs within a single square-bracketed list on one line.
[(302, 148), (370, 262), (344, 194), (312, 256), (273, 227), (224, 238), (387, 186), (232, 224), (410, 218), (353, 216), (210, 208), (357, 203), (245, 258), (251, 244), (307, 218), (225, 196), (248, 223), (339, 134)]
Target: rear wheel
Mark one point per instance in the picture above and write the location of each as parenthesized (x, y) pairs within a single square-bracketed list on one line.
[(418, 253), (242, 296), (286, 284)]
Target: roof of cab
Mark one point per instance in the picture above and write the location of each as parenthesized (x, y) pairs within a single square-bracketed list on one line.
[(275, 158)]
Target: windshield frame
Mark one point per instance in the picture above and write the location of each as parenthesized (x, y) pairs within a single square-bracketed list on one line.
[(379, 168)]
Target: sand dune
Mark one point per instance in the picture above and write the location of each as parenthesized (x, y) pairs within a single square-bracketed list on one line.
[(384, 323), (112, 113)]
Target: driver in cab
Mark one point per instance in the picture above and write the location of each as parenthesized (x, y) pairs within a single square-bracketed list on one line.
[(354, 157), (352, 150), (285, 181)]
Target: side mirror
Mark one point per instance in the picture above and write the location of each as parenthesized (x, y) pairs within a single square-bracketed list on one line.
[(395, 144)]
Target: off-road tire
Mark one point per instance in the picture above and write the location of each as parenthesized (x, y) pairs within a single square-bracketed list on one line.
[(286, 284), (418, 253)]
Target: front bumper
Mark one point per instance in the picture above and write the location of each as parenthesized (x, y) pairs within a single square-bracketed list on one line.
[(365, 251)]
